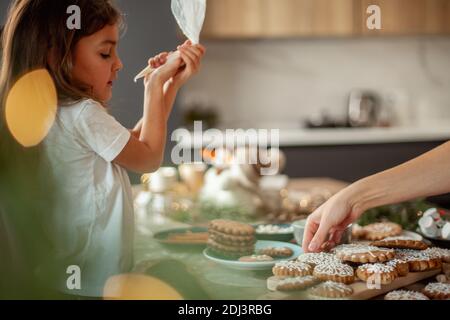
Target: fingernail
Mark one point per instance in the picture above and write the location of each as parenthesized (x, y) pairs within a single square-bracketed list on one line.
[(313, 246)]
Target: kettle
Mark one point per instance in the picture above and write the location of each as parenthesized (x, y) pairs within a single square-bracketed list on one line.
[(363, 108)]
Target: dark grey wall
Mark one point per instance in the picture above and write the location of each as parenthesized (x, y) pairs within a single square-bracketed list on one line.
[(151, 29)]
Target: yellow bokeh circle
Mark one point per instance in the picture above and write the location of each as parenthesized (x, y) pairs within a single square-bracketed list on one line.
[(138, 287), (31, 106)]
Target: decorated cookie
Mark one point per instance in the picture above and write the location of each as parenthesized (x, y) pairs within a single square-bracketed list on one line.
[(402, 267), (443, 254), (419, 260), (381, 230), (276, 252), (363, 253), (330, 289), (334, 271), (400, 243), (377, 272), (405, 295), (296, 283), (256, 258), (318, 258), (438, 291), (292, 269)]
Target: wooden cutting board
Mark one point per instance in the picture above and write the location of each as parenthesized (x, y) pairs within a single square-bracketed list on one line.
[(360, 289)]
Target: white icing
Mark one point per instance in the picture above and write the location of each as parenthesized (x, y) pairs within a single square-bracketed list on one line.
[(293, 265), (377, 268), (334, 286), (437, 287), (273, 229), (405, 295), (317, 258), (334, 269)]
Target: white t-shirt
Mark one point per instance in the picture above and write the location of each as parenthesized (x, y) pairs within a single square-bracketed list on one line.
[(92, 225)]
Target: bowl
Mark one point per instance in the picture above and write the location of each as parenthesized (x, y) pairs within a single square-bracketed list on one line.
[(299, 229), (274, 235)]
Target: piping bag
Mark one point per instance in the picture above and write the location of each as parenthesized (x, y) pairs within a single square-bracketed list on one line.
[(190, 15)]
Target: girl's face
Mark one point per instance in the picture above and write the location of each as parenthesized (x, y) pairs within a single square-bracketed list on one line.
[(96, 62)]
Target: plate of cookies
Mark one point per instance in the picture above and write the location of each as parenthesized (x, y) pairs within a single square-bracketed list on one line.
[(264, 255), (234, 244)]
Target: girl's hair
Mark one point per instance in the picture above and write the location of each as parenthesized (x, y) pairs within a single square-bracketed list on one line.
[(34, 28)]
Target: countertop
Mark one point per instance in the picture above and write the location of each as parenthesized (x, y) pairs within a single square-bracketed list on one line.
[(332, 136)]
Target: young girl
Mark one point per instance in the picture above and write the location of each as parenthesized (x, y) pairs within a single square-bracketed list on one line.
[(87, 149)]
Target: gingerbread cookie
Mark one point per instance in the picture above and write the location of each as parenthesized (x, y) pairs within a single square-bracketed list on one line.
[(400, 243), (402, 267), (231, 239), (230, 227), (256, 258), (437, 290), (377, 272), (230, 251), (330, 289), (277, 252), (292, 269), (317, 258), (419, 260), (443, 254), (381, 230), (296, 283), (363, 253), (358, 232), (405, 295), (334, 271)]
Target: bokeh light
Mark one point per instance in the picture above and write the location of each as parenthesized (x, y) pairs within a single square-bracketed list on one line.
[(30, 108), (138, 287)]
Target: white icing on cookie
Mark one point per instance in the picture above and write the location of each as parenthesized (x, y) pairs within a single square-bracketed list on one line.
[(317, 258), (376, 268), (293, 265), (437, 287), (334, 269), (405, 295)]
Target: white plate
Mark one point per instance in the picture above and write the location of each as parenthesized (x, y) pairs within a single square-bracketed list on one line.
[(412, 235), (262, 265)]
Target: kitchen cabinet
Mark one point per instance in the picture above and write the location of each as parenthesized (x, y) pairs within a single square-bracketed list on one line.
[(405, 17), (241, 19), (278, 18), (350, 162)]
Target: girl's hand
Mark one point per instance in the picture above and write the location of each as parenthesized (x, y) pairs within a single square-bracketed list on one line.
[(325, 226), (191, 56), (188, 64), (164, 69)]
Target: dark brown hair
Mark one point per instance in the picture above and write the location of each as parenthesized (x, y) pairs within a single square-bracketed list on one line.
[(36, 27)]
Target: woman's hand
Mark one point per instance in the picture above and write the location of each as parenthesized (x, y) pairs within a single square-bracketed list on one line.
[(325, 226)]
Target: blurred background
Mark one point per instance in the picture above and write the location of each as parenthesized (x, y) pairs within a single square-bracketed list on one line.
[(349, 101)]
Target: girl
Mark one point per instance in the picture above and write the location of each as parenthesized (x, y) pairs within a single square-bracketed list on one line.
[(87, 149)]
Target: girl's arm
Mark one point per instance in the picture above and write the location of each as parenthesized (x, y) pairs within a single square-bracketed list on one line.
[(172, 86), (426, 175), (170, 93), (145, 150)]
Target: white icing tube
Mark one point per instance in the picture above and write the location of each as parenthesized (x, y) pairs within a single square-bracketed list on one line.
[(148, 70)]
